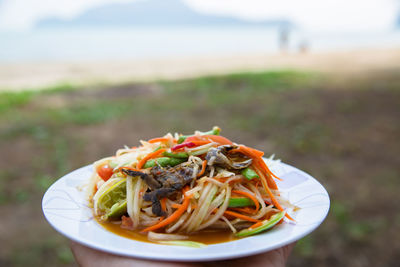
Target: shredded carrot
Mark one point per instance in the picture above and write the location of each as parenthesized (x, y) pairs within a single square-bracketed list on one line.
[(95, 188), (256, 155), (200, 142), (177, 206), (270, 180), (208, 138), (273, 199), (236, 181), (256, 225), (192, 138), (266, 187), (224, 179), (164, 204), (174, 216), (241, 216), (159, 139), (218, 139), (265, 167), (251, 196), (267, 202), (250, 152), (245, 210), (203, 168), (150, 156)]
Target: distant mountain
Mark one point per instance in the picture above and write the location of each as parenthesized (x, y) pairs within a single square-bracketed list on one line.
[(149, 13)]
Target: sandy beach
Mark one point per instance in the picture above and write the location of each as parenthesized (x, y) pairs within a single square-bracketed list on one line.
[(32, 76)]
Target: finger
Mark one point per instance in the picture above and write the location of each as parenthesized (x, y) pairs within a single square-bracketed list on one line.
[(273, 258), (87, 257)]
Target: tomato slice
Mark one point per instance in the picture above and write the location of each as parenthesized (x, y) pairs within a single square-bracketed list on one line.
[(105, 172)]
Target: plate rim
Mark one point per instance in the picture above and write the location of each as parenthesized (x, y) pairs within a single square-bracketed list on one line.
[(183, 257)]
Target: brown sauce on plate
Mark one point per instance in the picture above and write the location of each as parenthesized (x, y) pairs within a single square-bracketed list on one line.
[(207, 236)]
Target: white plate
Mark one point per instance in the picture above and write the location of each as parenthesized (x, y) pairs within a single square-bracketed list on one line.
[(65, 208)]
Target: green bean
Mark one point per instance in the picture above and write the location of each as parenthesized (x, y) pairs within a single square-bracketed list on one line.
[(249, 173), (163, 162), (179, 155), (215, 131), (236, 202), (267, 224)]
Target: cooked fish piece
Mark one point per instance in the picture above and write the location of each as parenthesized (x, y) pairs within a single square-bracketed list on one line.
[(163, 182), (220, 156)]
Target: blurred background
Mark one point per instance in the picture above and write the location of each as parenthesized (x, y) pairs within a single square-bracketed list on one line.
[(317, 83)]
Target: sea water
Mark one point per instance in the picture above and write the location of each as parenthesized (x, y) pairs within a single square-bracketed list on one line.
[(85, 44)]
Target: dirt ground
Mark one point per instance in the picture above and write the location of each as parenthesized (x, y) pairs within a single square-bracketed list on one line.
[(342, 129)]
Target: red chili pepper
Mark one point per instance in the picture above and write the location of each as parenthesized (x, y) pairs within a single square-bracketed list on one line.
[(188, 144)]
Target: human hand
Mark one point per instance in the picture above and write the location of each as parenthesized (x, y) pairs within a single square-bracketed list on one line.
[(87, 257)]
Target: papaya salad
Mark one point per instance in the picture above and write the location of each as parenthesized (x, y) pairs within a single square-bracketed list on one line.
[(174, 186)]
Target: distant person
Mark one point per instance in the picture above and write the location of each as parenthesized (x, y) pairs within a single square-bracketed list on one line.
[(304, 47), (284, 38)]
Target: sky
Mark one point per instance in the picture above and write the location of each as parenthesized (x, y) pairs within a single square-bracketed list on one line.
[(309, 15)]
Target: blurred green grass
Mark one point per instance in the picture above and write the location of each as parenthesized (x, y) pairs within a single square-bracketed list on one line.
[(342, 131)]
